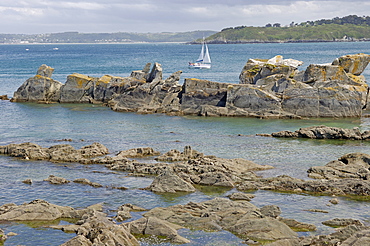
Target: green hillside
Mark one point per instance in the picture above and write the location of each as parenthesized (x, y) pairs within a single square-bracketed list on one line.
[(349, 28)]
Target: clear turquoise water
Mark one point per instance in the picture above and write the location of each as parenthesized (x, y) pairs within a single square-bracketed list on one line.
[(223, 137)]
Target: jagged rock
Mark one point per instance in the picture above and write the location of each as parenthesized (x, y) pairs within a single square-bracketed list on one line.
[(353, 165), (272, 211), (77, 88), (138, 152), (296, 225), (87, 182), (98, 229), (168, 181), (239, 217), (56, 180), (4, 97), (45, 71), (123, 212), (39, 210), (56, 153), (354, 64), (40, 88), (256, 69), (27, 181), (241, 196), (78, 241), (351, 235), (334, 201), (271, 88), (157, 227), (324, 132), (175, 155), (341, 187), (342, 222)]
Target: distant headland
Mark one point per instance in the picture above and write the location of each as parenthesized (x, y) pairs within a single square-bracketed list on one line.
[(350, 28)]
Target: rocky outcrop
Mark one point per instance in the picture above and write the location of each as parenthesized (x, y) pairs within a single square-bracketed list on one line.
[(138, 153), (95, 228), (169, 182), (239, 217), (349, 166), (40, 88), (324, 132), (56, 153), (4, 97), (157, 227), (271, 88), (342, 187), (40, 210)]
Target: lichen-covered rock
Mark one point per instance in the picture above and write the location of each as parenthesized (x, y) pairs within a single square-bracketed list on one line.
[(256, 69), (38, 89), (354, 64), (271, 88)]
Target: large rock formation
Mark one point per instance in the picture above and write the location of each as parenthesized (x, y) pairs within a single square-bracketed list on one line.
[(267, 88)]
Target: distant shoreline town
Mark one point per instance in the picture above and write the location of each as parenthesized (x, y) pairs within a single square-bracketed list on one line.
[(350, 28)]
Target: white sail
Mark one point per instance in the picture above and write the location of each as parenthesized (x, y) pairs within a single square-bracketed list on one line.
[(206, 58), (201, 55)]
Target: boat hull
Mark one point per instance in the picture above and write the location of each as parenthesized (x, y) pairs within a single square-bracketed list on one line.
[(199, 66)]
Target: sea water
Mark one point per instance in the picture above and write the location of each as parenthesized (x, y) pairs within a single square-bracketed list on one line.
[(224, 137)]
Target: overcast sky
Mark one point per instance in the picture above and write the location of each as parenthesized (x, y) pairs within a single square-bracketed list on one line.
[(96, 16)]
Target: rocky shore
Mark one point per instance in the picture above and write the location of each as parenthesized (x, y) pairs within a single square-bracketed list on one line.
[(184, 172), (272, 88)]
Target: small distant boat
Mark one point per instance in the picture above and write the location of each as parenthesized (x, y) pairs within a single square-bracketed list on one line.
[(204, 60), (56, 48)]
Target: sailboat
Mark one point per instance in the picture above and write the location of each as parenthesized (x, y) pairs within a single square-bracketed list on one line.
[(204, 60)]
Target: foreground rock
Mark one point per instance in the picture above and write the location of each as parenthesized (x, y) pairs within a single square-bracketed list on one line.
[(324, 132), (271, 88)]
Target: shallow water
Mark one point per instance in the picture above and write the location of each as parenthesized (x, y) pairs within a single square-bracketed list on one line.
[(223, 137)]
